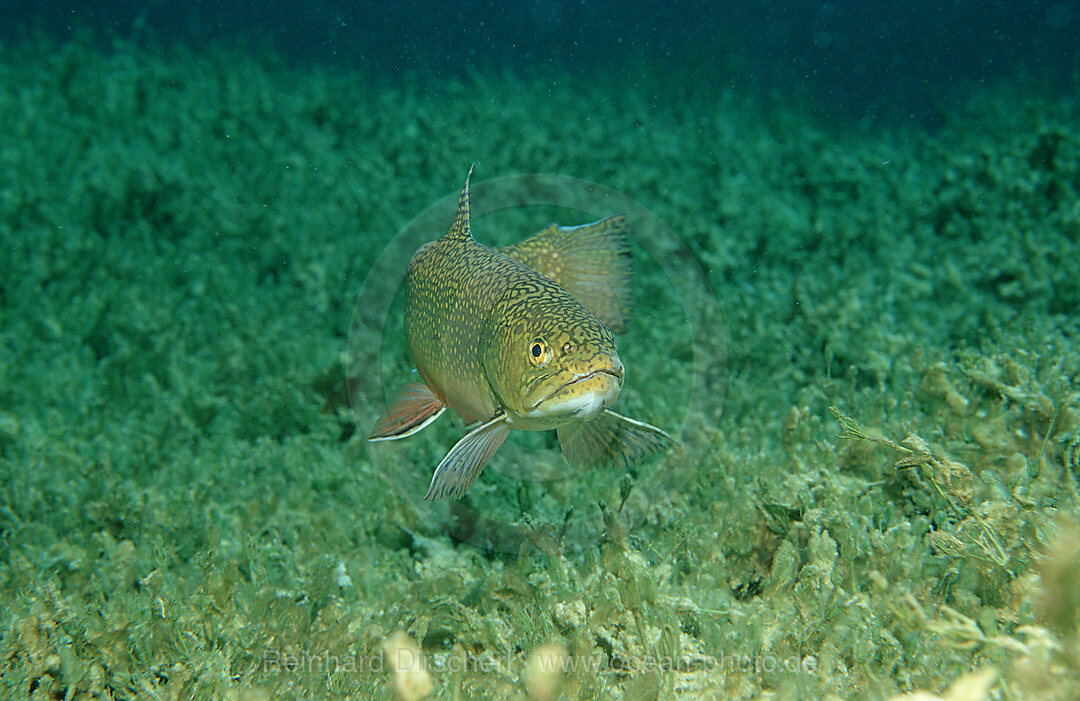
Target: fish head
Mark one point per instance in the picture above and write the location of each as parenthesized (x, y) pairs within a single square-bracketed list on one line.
[(548, 359)]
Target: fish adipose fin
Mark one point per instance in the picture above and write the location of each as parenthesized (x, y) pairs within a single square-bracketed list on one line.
[(611, 439), (413, 408), (591, 262), (459, 469)]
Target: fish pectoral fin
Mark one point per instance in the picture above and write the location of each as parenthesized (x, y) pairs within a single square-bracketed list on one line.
[(413, 408), (611, 439), (459, 469), (591, 262)]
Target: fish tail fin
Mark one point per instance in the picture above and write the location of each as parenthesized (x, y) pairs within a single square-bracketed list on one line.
[(591, 261)]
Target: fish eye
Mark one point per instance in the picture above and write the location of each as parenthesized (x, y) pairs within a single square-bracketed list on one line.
[(538, 352)]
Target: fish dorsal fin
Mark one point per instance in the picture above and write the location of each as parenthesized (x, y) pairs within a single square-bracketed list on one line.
[(591, 262), (460, 230)]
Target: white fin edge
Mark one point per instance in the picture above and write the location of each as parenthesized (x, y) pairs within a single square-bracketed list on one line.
[(459, 469)]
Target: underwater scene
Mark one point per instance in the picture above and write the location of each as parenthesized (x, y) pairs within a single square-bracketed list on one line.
[(757, 324)]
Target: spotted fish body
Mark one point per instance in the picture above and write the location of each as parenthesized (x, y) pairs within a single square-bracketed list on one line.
[(515, 338)]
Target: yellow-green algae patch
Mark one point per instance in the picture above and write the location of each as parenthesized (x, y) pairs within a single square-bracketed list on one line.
[(187, 509)]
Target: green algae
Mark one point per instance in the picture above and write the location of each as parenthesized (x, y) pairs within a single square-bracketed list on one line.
[(188, 509)]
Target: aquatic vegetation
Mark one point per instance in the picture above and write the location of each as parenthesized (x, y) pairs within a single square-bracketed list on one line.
[(187, 508)]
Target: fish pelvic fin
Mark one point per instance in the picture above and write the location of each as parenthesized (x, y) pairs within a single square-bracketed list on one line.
[(592, 262), (413, 408), (460, 230), (459, 469), (611, 439)]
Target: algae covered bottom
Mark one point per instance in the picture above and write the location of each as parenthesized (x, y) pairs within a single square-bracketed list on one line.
[(187, 508)]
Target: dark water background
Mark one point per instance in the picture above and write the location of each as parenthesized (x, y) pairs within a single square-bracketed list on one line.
[(851, 57)]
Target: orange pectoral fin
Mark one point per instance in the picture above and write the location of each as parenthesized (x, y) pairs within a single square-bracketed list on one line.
[(413, 408)]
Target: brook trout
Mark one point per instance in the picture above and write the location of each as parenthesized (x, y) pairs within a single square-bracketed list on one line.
[(519, 338)]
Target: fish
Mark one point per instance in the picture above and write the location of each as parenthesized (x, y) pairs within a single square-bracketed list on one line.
[(520, 337)]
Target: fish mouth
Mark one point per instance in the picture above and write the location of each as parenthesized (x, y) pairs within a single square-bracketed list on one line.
[(576, 396), (616, 372)]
